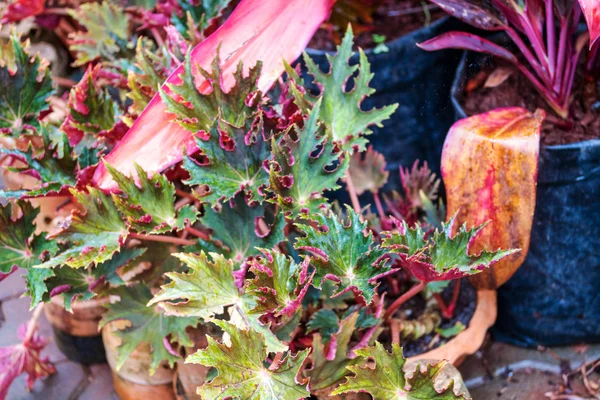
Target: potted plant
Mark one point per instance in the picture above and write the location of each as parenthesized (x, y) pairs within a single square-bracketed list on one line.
[(225, 228), (554, 68), (387, 31)]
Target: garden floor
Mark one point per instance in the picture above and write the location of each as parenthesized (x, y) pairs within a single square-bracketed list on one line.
[(498, 371)]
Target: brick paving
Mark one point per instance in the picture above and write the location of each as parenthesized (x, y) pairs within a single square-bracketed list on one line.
[(497, 371)]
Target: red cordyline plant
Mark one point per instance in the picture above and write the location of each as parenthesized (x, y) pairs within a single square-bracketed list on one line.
[(543, 31)]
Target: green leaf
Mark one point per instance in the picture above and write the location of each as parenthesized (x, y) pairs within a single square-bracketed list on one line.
[(196, 16), (229, 132), (94, 237), (20, 247), (340, 111), (235, 226), (81, 281), (106, 35), (343, 254), (25, 85), (279, 283), (388, 380), (441, 255), (242, 374), (305, 164), (207, 290), (326, 322), (454, 330), (149, 207), (326, 371), (148, 325), (368, 171)]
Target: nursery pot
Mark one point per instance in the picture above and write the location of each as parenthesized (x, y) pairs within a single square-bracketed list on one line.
[(553, 298), (76, 333), (419, 81), (133, 381)]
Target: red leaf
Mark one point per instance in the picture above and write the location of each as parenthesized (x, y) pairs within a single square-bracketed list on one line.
[(21, 9), (467, 41), (269, 31), (479, 15), (591, 10), (24, 358)]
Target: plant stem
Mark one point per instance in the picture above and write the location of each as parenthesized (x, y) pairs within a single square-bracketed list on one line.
[(197, 233), (163, 239), (378, 205), (551, 38), (413, 291), (276, 361), (33, 322), (447, 311), (352, 193), (184, 194), (443, 308)]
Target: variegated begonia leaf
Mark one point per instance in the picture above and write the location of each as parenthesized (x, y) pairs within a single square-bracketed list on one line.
[(150, 206), (387, 380), (20, 247), (56, 167), (343, 253), (25, 86), (241, 228), (241, 370), (341, 112), (325, 321), (24, 358), (368, 172), (207, 290), (305, 164), (279, 284), (106, 32), (330, 362), (229, 132), (442, 255), (92, 112), (149, 325), (75, 284), (93, 237)]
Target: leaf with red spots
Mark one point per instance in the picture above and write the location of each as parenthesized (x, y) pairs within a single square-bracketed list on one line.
[(24, 358)]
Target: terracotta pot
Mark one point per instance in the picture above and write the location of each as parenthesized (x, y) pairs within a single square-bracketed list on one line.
[(471, 339), (77, 334), (189, 376), (133, 381)]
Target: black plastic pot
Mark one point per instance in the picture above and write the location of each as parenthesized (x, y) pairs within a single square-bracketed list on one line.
[(553, 299), (83, 350), (419, 82)]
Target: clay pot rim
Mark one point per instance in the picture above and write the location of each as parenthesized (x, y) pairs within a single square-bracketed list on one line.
[(471, 339)]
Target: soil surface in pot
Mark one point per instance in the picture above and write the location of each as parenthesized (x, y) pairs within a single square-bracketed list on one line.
[(465, 308), (516, 90), (392, 18)]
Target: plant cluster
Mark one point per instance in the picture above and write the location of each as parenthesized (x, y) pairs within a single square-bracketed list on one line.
[(238, 232)]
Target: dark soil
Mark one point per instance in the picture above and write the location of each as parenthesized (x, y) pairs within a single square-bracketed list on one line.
[(465, 308), (518, 91), (393, 18)]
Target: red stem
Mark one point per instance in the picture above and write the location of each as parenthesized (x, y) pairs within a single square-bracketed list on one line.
[(197, 233), (352, 193), (562, 48), (413, 291), (379, 205), (551, 38), (163, 239), (33, 322), (443, 307)]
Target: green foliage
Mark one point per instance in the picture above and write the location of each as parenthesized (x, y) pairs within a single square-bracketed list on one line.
[(441, 255), (20, 247), (196, 16), (388, 380), (325, 321), (25, 85), (304, 166), (343, 253), (149, 207), (241, 370), (148, 325), (345, 122), (229, 132), (235, 226), (93, 237), (106, 32)]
